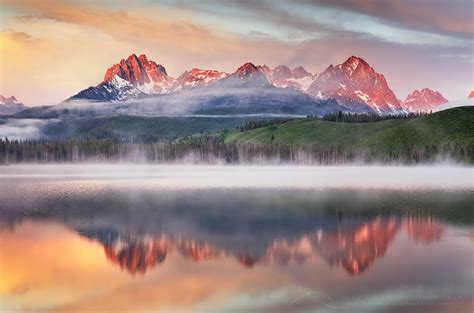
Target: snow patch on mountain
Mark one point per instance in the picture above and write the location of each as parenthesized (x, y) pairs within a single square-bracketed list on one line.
[(197, 78), (284, 77)]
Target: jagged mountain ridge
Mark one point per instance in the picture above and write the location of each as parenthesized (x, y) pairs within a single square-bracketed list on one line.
[(354, 84)]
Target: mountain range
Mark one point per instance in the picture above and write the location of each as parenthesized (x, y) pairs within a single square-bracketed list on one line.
[(354, 84), (139, 86)]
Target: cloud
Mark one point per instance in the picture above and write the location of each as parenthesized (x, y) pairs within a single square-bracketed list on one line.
[(306, 19), (123, 25), (437, 16), (14, 36)]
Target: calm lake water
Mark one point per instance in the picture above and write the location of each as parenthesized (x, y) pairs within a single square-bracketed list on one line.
[(236, 239)]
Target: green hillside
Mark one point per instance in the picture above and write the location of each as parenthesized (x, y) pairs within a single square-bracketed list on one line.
[(139, 128), (449, 128)]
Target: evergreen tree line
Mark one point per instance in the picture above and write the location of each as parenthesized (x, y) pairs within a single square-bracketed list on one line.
[(215, 151), (366, 117), (334, 117)]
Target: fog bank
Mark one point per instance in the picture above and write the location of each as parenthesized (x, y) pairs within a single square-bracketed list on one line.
[(22, 128), (318, 177)]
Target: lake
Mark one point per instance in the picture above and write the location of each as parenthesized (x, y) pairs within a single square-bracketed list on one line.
[(118, 238)]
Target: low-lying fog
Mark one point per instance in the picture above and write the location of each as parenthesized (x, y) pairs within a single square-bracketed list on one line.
[(192, 176), (23, 128)]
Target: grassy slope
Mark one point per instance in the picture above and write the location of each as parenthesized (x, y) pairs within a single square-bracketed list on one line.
[(454, 126)]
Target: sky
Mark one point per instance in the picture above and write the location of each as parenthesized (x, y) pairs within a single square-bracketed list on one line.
[(51, 49)]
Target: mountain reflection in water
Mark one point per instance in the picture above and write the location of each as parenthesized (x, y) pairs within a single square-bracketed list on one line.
[(75, 246), (353, 249)]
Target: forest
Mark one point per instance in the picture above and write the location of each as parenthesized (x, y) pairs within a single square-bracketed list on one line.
[(214, 150)]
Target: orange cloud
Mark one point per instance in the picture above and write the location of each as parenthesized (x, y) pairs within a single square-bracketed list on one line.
[(126, 26)]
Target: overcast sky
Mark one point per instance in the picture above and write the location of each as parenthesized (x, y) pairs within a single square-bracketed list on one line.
[(49, 50)]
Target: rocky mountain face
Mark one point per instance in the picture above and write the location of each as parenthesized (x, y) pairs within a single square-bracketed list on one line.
[(424, 100), (145, 75), (356, 85), (10, 105)]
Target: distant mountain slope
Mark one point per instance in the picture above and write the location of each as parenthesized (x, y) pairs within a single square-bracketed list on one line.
[(450, 127), (202, 101), (424, 100), (254, 100), (10, 105)]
